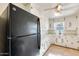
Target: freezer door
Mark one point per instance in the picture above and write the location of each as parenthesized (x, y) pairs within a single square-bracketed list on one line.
[(22, 22), (24, 46)]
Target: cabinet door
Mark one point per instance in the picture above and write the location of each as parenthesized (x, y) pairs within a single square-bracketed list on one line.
[(70, 23)]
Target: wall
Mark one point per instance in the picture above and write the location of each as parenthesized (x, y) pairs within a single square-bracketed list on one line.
[(45, 41), (3, 6), (3, 24), (71, 33)]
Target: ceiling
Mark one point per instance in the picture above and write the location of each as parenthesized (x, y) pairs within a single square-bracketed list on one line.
[(68, 9)]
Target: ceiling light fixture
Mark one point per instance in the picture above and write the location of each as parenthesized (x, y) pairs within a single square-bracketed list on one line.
[(59, 7), (58, 10)]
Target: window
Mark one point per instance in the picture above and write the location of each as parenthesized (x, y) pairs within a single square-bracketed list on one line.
[(59, 28)]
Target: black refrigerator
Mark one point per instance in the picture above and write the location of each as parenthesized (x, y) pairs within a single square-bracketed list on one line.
[(23, 32)]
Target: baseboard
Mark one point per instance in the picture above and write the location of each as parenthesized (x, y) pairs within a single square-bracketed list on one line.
[(59, 46), (65, 47), (46, 50)]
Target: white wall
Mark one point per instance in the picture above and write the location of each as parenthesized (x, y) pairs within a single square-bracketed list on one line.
[(3, 6), (45, 41)]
